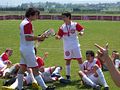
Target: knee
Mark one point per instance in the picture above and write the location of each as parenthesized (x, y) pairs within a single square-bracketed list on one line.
[(68, 62), (22, 70), (17, 66), (80, 61), (95, 67), (81, 74), (35, 71)]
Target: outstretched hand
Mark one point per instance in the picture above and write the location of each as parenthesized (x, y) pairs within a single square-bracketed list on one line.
[(102, 52)]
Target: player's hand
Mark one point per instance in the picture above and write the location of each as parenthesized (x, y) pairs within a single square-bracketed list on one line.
[(46, 54), (102, 52), (41, 38), (57, 37), (9, 63), (87, 72), (81, 33)]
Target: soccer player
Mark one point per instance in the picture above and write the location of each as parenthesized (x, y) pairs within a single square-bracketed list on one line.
[(8, 72), (92, 74), (116, 59), (28, 58), (7, 69), (68, 32), (5, 56), (48, 74), (51, 73)]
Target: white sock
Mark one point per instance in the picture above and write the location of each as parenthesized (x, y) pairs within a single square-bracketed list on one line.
[(40, 81), (88, 81), (20, 81), (81, 67), (101, 77), (68, 70), (32, 77), (15, 84), (57, 70), (6, 70)]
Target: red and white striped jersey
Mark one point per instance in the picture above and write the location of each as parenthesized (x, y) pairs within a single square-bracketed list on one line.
[(26, 29), (69, 34), (4, 57), (40, 61), (89, 65)]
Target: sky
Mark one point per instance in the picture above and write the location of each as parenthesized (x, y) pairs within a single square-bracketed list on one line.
[(19, 2)]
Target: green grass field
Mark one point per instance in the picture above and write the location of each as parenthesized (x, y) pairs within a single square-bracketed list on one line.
[(99, 32)]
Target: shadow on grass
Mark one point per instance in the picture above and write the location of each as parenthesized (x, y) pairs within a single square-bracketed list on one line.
[(76, 83)]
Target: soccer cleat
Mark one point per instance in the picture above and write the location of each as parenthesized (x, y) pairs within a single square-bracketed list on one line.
[(18, 89), (7, 88), (64, 81), (106, 88), (35, 85), (96, 87), (50, 87), (9, 82), (68, 77), (7, 75)]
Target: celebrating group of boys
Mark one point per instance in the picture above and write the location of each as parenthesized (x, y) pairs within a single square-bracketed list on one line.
[(31, 68)]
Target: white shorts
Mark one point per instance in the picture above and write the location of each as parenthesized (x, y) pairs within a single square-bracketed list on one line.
[(5, 71), (47, 75), (117, 63), (72, 54), (28, 58), (2, 65), (93, 78)]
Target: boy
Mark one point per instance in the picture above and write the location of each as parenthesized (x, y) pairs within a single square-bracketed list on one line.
[(68, 32), (28, 58), (92, 74)]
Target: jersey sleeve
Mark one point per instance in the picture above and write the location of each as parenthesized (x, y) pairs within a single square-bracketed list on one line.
[(40, 61), (60, 32), (28, 28), (4, 57), (98, 63), (79, 27), (84, 65)]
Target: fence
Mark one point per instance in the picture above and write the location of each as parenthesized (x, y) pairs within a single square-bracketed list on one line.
[(58, 17)]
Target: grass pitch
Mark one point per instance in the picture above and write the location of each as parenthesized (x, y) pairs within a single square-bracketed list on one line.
[(99, 32)]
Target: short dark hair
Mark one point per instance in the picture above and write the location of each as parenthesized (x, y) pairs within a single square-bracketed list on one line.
[(114, 51), (90, 52), (31, 12), (67, 14), (8, 49)]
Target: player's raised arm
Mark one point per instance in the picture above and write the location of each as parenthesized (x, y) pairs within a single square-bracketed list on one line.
[(115, 74), (45, 55)]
